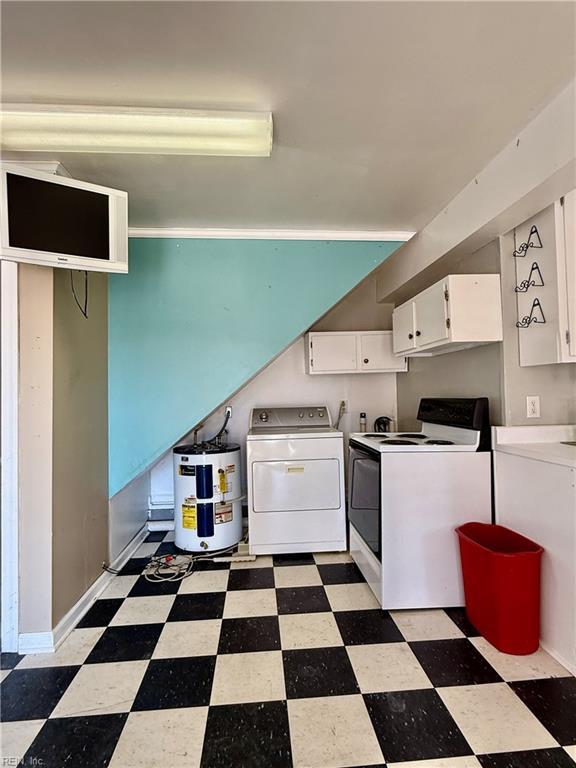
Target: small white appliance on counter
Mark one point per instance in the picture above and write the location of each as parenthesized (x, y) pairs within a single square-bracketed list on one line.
[(295, 468), (207, 496), (535, 493), (407, 494)]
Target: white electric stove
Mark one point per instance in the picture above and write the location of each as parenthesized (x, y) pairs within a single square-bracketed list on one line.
[(295, 468), (408, 491), (433, 437)]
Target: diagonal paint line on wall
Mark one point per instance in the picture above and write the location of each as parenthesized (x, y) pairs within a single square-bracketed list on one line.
[(196, 319)]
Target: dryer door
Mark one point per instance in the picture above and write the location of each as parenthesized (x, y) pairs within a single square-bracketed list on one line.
[(293, 486)]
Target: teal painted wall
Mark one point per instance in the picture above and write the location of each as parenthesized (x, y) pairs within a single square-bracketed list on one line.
[(193, 320)]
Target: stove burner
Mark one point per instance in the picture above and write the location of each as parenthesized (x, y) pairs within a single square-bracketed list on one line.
[(395, 441), (414, 435), (439, 442)]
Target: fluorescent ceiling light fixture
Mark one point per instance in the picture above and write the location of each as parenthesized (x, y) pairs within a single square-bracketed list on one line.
[(127, 130)]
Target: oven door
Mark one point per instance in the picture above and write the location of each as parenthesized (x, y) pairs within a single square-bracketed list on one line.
[(365, 496)]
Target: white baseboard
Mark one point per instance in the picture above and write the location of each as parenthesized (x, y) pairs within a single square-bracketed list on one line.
[(128, 550), (560, 658), (161, 501), (160, 525), (160, 515), (47, 642), (36, 642)]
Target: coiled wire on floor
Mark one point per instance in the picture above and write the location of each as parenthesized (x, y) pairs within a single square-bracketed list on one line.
[(176, 567)]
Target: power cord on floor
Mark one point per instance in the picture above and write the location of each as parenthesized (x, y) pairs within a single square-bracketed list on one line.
[(169, 568), (176, 567)]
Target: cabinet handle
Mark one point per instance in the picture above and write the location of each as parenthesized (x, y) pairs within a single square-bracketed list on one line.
[(410, 335), (418, 333), (366, 360)]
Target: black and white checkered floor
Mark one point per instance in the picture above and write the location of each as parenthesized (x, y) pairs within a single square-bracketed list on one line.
[(283, 662)]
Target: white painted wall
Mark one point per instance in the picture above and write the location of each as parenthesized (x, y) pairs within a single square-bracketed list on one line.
[(284, 382), (79, 441), (161, 483), (554, 384), (35, 448), (59, 555), (9, 493), (537, 166), (474, 372), (127, 513), (493, 370)]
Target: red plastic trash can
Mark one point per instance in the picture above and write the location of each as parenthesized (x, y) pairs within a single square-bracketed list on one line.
[(501, 572)]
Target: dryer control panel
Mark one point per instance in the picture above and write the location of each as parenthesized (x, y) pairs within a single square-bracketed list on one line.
[(291, 418)]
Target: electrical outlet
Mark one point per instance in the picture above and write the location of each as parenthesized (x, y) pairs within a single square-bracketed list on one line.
[(345, 406), (533, 406), (228, 411)]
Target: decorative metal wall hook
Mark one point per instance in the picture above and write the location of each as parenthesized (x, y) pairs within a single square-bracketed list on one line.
[(536, 316), (534, 279), (533, 241)]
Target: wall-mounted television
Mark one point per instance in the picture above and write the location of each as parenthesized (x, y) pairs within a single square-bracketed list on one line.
[(56, 221)]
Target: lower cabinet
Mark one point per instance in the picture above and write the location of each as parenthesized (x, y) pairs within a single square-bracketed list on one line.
[(538, 499), (352, 352)]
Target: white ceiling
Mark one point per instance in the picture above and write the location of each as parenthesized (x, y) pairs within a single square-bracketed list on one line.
[(383, 110)]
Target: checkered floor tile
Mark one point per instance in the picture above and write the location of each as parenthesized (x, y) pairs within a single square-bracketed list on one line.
[(286, 661)]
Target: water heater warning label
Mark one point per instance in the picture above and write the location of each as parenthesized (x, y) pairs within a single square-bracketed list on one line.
[(189, 519), (223, 514)]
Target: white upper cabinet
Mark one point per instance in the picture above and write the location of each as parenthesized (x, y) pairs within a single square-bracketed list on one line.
[(333, 352), (544, 253), (431, 316), (376, 352), (570, 257), (352, 352), (457, 312), (403, 325)]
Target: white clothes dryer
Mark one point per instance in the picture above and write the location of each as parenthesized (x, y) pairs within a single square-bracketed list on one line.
[(295, 469)]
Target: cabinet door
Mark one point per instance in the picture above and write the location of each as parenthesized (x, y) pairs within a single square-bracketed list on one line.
[(376, 353), (540, 239), (403, 337), (430, 316), (570, 255), (333, 352)]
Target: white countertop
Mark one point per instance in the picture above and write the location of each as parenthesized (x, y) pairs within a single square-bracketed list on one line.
[(555, 453), (540, 443)]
